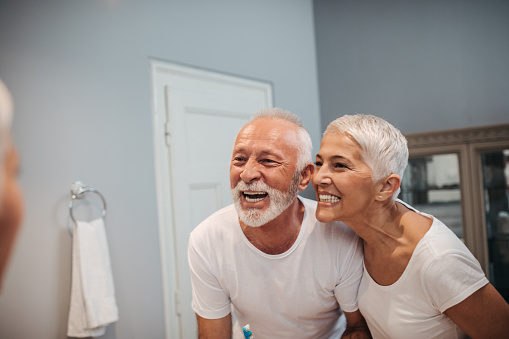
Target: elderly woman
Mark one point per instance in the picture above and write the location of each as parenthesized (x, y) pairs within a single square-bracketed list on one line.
[(10, 196), (419, 281)]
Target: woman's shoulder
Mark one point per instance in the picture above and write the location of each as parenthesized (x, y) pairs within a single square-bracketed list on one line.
[(435, 233), (442, 254), (441, 239)]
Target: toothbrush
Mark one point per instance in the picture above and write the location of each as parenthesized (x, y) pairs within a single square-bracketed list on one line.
[(247, 332)]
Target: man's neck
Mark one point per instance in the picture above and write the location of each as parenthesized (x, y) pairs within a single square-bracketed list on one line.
[(278, 235)]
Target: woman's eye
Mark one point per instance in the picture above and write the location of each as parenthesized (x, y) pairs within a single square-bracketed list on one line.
[(339, 165), (318, 163)]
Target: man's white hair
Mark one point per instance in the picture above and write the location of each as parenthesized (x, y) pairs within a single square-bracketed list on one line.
[(305, 147), (383, 147)]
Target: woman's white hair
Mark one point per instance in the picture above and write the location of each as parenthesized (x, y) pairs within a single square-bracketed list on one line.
[(305, 143), (383, 147)]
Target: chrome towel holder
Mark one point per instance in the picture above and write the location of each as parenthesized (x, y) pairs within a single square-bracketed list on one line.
[(78, 189)]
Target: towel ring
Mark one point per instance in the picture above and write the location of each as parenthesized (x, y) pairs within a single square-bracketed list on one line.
[(77, 190)]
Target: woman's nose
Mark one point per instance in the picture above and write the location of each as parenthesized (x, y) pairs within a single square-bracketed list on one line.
[(321, 176)]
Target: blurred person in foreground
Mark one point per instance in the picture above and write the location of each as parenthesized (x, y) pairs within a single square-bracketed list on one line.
[(11, 205), (420, 281)]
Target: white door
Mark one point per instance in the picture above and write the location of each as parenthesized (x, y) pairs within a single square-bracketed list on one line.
[(197, 115)]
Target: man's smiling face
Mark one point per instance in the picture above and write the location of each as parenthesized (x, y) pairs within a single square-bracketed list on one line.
[(263, 174)]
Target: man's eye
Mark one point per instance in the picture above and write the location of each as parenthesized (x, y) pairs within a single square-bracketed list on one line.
[(267, 161), (238, 159)]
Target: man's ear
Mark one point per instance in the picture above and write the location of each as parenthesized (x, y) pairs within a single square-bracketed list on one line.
[(388, 187), (305, 176)]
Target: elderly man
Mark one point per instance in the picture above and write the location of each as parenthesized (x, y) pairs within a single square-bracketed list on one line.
[(266, 260)]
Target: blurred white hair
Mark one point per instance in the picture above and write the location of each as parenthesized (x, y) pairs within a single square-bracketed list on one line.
[(6, 110), (6, 107)]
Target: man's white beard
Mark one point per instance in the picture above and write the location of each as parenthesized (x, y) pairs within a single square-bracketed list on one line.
[(279, 201)]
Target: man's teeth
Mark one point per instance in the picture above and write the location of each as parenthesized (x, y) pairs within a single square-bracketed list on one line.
[(328, 198), (248, 199), (254, 196)]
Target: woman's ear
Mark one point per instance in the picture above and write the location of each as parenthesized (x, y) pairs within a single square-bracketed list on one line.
[(388, 187), (305, 176)]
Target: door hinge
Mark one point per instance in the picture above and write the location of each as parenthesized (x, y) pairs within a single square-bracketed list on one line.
[(178, 310), (167, 134)]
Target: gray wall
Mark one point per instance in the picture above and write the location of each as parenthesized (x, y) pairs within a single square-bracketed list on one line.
[(79, 73), (422, 65)]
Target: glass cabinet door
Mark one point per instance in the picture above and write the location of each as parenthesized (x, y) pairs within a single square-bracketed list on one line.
[(431, 184), (495, 174)]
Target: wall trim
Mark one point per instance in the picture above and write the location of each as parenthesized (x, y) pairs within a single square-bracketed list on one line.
[(458, 136)]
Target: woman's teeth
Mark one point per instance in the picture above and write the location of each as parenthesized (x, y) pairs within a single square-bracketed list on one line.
[(328, 198)]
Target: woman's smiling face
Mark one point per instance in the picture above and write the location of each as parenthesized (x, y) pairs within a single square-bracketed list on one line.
[(342, 180)]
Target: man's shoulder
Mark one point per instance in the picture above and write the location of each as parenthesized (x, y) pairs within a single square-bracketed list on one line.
[(219, 219), (309, 205), (226, 212), (331, 230)]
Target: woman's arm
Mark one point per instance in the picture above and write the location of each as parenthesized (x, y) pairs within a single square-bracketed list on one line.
[(356, 327), (484, 314)]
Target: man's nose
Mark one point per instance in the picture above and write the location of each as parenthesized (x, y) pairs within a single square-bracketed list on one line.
[(250, 171)]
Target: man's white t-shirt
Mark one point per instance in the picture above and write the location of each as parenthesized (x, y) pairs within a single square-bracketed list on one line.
[(441, 273), (296, 294)]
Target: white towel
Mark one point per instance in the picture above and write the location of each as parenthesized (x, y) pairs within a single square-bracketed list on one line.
[(93, 304)]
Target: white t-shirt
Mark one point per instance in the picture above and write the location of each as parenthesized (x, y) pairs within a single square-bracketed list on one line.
[(295, 294), (441, 273)]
